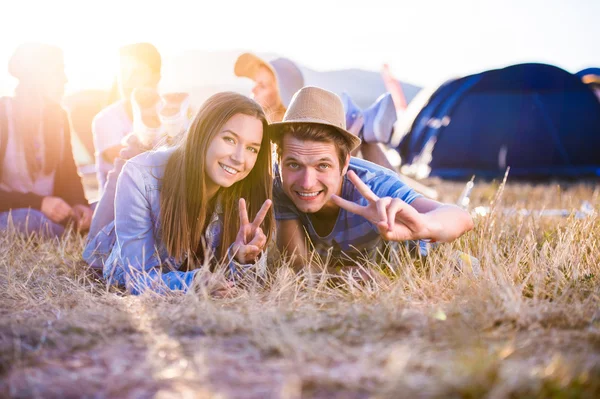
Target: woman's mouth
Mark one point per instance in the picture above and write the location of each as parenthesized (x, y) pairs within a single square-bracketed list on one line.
[(229, 169)]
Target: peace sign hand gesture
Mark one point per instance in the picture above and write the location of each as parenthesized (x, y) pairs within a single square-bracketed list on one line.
[(394, 218), (250, 240)]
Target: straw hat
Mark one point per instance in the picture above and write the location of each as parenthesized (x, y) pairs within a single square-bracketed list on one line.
[(319, 106), (288, 77)]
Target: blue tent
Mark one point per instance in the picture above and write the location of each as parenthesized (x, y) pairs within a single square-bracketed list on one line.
[(537, 119)]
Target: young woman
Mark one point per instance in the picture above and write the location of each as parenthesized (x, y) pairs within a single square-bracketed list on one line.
[(40, 190), (177, 208)]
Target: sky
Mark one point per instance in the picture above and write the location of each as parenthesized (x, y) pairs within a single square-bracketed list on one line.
[(425, 42)]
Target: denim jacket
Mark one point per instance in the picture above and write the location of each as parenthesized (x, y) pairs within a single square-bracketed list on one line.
[(131, 247)]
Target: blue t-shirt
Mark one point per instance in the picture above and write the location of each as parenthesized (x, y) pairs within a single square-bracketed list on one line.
[(353, 237)]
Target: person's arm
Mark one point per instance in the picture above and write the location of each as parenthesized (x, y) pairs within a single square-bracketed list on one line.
[(134, 260), (445, 222), (107, 137), (67, 182), (14, 200), (397, 220), (291, 242), (110, 154)]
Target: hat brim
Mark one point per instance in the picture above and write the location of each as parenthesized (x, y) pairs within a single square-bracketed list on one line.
[(276, 128), (248, 64)]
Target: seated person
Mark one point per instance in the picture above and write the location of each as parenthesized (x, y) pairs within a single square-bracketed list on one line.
[(177, 208), (139, 67), (347, 208), (40, 190)]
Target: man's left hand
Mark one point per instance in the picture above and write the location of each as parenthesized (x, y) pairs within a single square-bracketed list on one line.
[(395, 219)]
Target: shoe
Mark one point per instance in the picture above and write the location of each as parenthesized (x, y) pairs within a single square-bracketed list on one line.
[(354, 116), (379, 120)]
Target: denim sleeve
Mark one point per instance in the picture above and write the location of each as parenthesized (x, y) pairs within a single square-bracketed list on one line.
[(135, 260)]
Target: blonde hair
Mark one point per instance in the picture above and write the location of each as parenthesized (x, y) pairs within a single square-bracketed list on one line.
[(183, 200)]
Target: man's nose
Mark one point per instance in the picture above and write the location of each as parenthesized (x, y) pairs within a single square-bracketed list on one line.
[(308, 179)]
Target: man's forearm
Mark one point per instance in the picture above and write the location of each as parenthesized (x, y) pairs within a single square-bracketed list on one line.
[(447, 223)]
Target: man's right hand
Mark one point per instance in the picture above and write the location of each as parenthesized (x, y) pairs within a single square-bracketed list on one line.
[(56, 209)]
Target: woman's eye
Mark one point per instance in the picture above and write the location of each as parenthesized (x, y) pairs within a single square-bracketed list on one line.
[(229, 140), (253, 150)]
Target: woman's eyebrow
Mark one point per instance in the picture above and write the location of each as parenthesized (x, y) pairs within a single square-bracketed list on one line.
[(238, 136)]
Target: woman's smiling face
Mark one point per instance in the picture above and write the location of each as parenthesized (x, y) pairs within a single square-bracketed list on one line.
[(232, 153)]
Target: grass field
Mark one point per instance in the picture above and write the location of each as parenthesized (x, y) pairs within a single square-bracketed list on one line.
[(528, 325)]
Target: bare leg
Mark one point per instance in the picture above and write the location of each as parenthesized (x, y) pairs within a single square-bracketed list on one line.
[(372, 152)]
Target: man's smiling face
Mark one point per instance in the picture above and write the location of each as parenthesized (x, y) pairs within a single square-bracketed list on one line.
[(311, 173)]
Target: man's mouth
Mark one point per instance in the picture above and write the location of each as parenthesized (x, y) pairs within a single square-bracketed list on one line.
[(308, 195), (229, 169)]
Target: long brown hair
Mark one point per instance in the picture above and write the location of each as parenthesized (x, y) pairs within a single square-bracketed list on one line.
[(184, 203)]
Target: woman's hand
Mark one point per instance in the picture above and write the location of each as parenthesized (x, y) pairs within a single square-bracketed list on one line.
[(250, 240)]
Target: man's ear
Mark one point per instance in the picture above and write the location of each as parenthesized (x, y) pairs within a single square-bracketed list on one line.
[(346, 164)]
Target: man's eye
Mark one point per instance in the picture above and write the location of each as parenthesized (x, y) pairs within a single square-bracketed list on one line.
[(324, 166), (292, 165)]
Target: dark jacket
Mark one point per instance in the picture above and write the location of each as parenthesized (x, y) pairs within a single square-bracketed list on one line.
[(67, 183)]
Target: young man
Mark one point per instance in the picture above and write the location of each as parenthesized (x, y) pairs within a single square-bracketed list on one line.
[(139, 67), (275, 83), (346, 208)]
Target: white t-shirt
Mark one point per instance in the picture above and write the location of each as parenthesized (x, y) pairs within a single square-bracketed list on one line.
[(15, 171), (109, 127)]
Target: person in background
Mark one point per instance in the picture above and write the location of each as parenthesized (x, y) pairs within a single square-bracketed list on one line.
[(276, 81), (40, 190), (139, 67)]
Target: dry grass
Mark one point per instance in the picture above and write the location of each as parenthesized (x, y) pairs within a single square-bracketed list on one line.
[(528, 326)]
